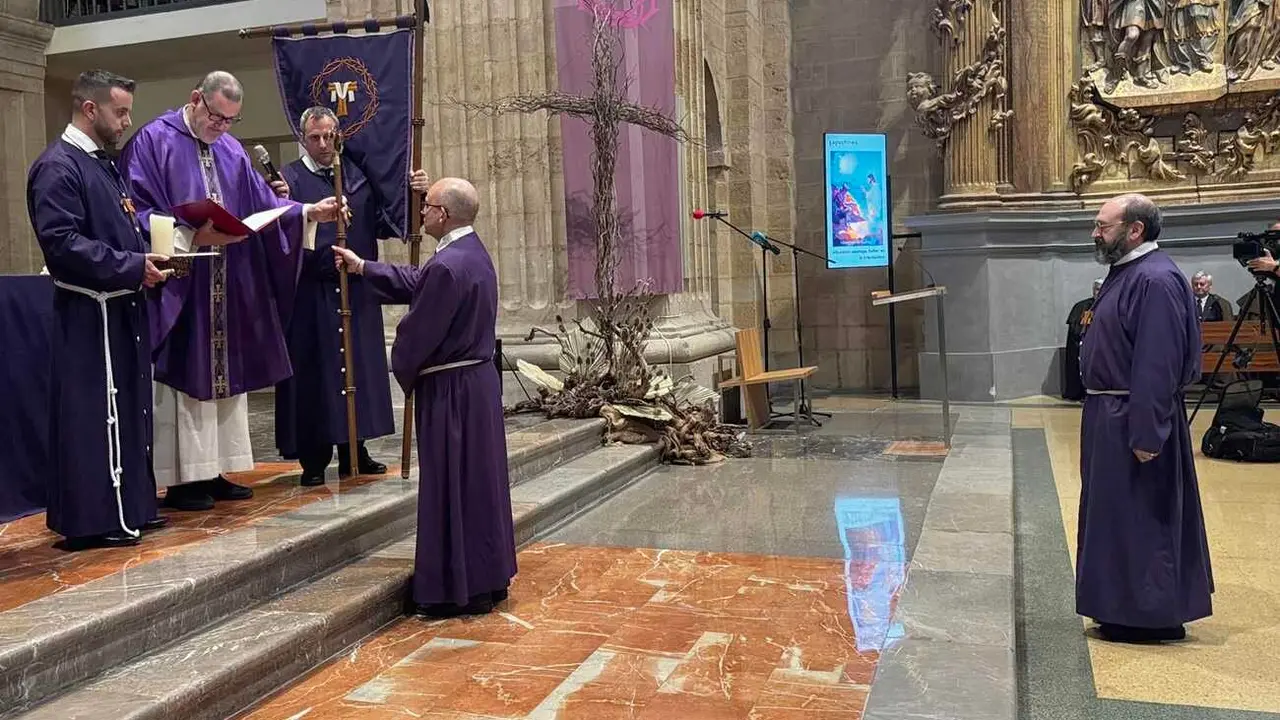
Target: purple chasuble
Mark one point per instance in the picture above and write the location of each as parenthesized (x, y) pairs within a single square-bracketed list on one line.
[(1142, 556), (219, 331), (466, 539), (90, 241)]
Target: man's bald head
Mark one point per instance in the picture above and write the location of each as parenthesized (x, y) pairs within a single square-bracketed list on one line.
[(457, 196), (460, 204)]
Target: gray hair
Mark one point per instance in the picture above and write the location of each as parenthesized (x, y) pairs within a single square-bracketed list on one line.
[(96, 86), (1202, 275), (459, 197), (316, 112), (1140, 208), (220, 81)]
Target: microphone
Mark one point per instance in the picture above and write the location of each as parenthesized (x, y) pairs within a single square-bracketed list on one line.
[(902, 252), (264, 159), (759, 238), (699, 214)]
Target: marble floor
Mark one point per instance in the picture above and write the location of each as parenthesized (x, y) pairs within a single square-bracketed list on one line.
[(1230, 667), (760, 588)]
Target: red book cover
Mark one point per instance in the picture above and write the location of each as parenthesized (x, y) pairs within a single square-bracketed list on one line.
[(197, 213)]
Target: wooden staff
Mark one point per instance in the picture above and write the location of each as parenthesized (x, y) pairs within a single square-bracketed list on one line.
[(414, 220), (348, 359)]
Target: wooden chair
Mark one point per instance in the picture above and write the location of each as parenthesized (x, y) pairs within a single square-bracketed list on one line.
[(755, 380), (1213, 337)]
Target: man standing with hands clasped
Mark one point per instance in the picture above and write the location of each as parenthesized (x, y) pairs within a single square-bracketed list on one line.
[(1142, 559), (102, 492), (443, 352)]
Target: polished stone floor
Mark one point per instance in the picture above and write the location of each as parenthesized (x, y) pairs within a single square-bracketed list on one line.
[(1229, 669), (768, 587)]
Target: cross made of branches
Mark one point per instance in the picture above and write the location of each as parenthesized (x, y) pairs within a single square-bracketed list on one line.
[(605, 109)]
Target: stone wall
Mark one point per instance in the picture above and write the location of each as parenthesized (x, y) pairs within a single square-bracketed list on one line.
[(849, 65), (22, 132)]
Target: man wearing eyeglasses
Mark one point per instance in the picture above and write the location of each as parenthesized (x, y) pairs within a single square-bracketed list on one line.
[(1142, 560), (219, 332)]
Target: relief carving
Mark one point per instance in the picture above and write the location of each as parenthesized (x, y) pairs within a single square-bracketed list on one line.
[(1111, 138), (948, 18), (938, 113), (1253, 38)]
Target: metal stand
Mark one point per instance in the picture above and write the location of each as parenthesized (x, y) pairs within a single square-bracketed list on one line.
[(803, 408), (1268, 324), (937, 292)]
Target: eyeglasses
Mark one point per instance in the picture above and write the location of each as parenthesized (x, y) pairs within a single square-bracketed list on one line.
[(444, 213), (1101, 226), (217, 118)]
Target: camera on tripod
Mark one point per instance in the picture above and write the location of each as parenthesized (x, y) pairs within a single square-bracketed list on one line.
[(1251, 246)]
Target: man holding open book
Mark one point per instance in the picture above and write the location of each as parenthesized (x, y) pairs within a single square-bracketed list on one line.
[(218, 331)]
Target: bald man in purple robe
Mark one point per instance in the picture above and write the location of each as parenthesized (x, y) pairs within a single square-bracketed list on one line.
[(1142, 558), (219, 333), (443, 353)]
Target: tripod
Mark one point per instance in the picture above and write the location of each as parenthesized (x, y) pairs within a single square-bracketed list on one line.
[(805, 408), (1268, 323)]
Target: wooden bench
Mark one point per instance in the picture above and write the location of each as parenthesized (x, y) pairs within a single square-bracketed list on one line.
[(1213, 337), (755, 380)]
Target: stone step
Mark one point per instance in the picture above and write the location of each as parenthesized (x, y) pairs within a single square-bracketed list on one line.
[(62, 639), (218, 672)]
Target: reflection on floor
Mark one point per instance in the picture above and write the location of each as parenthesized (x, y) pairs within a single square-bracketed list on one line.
[(604, 633), (1233, 658), (31, 567)]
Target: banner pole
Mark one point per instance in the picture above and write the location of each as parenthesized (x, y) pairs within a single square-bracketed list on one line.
[(415, 203), (348, 364)]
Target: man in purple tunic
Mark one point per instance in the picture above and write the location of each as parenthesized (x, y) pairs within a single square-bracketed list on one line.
[(443, 352), (219, 332), (311, 407), (1142, 558), (101, 490)]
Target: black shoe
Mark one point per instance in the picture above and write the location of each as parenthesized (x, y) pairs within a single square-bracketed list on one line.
[(479, 605), (311, 478), (223, 489), (1126, 634), (366, 464), (499, 596), (114, 539), (155, 523), (189, 498)]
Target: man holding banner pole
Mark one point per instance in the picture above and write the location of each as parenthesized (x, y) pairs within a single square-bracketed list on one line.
[(372, 81), (311, 414)]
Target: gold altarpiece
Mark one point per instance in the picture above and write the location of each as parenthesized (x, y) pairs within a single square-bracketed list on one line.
[(1061, 103)]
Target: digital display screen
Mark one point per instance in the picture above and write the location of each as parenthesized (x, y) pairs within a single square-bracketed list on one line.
[(857, 200)]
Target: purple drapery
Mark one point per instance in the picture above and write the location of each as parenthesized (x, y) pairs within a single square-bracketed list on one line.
[(648, 166)]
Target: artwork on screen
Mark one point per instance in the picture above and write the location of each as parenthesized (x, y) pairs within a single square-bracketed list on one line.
[(857, 200)]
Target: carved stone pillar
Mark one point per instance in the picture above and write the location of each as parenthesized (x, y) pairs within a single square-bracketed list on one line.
[(1041, 36), (22, 133), (974, 48)]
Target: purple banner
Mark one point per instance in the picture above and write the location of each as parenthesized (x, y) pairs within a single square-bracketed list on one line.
[(648, 163), (367, 80)]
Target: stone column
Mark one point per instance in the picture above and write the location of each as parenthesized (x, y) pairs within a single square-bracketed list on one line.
[(972, 156), (1041, 44), (22, 133)]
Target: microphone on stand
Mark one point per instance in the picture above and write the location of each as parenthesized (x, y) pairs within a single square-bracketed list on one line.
[(264, 159), (760, 239), (902, 251), (717, 214)]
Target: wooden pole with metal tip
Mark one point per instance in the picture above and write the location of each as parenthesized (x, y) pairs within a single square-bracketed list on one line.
[(348, 357), (414, 220)]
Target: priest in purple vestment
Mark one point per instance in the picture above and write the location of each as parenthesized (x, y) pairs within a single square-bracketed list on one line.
[(219, 332), (311, 406), (443, 352), (101, 490), (1142, 557)]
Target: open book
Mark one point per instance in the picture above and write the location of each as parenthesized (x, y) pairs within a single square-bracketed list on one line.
[(197, 213)]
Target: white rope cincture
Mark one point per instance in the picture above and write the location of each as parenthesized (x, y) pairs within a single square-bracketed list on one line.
[(114, 450)]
